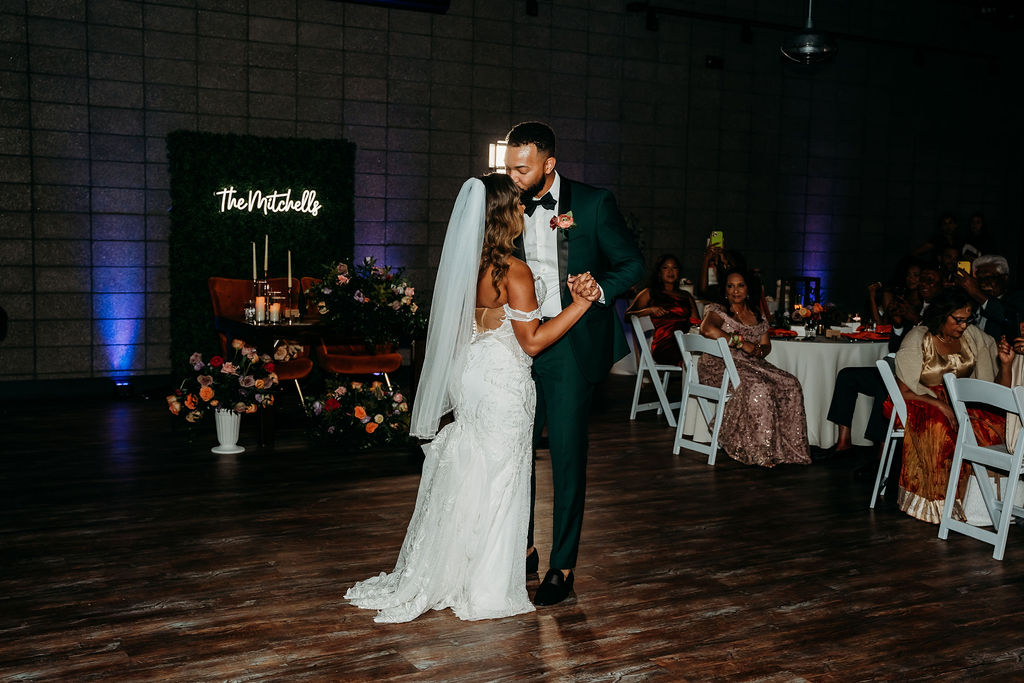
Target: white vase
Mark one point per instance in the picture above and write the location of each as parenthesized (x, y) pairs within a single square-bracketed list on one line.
[(227, 422)]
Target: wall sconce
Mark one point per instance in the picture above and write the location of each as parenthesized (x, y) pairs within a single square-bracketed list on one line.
[(496, 156)]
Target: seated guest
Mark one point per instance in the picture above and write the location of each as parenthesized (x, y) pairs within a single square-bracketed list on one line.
[(903, 291), (716, 263), (764, 421), (669, 307), (949, 259), (855, 380), (998, 309), (944, 342)]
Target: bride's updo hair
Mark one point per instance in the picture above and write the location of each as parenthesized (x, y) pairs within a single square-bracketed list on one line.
[(502, 224)]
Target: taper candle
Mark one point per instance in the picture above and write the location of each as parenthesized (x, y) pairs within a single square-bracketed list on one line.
[(266, 249), (254, 261), (289, 270)]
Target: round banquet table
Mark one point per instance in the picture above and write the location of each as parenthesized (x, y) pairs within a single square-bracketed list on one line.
[(815, 363)]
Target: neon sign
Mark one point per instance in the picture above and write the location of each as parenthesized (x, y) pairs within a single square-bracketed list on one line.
[(273, 202)]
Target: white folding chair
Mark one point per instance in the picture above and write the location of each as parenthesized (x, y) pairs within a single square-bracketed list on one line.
[(659, 373), (983, 458), (895, 433), (710, 399)]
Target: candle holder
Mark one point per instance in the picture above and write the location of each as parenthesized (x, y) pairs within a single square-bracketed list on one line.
[(262, 300), (291, 307)]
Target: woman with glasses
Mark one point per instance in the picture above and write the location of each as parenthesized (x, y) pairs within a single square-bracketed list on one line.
[(946, 341)]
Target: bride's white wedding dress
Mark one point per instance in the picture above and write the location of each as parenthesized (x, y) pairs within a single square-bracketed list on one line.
[(466, 543)]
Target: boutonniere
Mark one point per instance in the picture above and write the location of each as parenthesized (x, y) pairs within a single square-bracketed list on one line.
[(563, 222)]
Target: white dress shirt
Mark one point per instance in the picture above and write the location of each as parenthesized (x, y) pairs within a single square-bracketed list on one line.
[(540, 244)]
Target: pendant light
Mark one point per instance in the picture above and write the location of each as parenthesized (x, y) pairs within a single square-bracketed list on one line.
[(809, 46)]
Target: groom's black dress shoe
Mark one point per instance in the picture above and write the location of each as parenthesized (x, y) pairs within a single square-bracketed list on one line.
[(554, 588), (532, 562)]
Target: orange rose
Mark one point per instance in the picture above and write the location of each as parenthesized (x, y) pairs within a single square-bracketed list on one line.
[(173, 405), (251, 408), (206, 393), (191, 402), (360, 412), (371, 427)]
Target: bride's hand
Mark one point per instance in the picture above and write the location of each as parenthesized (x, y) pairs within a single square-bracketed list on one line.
[(583, 288)]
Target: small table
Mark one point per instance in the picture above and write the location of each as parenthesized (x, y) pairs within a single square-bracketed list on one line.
[(264, 335), (815, 363)]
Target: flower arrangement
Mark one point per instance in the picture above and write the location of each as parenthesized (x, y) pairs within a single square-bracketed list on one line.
[(360, 414), (242, 384), (369, 302), (815, 314)]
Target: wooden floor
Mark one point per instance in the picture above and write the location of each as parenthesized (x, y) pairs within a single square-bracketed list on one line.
[(128, 554)]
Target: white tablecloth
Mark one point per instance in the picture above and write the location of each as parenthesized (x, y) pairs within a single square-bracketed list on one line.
[(816, 364)]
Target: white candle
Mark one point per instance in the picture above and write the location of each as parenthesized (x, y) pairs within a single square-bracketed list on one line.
[(275, 313), (289, 270), (253, 260), (266, 248), (261, 308)]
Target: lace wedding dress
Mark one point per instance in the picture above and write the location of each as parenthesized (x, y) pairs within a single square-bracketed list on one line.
[(466, 543)]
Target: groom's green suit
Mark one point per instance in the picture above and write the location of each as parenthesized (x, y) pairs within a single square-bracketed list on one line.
[(567, 371)]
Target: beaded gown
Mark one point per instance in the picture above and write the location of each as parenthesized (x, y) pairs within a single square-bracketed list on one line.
[(764, 421), (465, 547)]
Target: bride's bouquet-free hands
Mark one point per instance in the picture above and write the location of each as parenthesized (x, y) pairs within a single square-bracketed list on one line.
[(583, 288)]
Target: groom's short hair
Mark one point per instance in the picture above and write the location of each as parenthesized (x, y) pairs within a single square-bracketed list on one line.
[(532, 133)]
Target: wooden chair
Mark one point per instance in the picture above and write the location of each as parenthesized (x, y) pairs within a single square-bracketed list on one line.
[(660, 374), (710, 399), (1001, 458), (896, 426)]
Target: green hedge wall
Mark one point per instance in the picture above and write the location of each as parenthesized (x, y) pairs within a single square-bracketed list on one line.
[(205, 242)]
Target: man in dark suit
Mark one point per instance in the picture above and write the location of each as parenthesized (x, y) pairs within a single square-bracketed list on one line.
[(573, 228), (999, 310)]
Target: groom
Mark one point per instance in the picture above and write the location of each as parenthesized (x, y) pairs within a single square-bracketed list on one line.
[(570, 228)]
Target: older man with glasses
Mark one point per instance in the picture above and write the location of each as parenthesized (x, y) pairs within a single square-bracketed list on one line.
[(999, 311)]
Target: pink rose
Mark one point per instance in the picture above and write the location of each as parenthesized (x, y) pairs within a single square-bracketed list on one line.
[(563, 222)]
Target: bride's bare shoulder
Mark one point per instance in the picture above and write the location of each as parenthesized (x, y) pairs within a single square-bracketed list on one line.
[(517, 268)]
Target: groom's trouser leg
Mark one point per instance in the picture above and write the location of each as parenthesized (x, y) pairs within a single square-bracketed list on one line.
[(563, 401)]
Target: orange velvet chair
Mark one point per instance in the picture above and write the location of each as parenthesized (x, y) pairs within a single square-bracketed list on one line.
[(353, 359)]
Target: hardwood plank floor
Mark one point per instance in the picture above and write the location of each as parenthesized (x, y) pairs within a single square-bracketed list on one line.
[(128, 553)]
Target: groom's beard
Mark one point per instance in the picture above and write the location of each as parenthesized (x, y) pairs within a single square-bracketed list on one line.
[(534, 190)]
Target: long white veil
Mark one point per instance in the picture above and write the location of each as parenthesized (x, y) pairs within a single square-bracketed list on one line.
[(451, 311)]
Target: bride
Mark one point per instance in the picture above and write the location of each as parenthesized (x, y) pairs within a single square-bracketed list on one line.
[(465, 547)]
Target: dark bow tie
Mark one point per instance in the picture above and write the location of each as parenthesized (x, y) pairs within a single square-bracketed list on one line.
[(547, 201)]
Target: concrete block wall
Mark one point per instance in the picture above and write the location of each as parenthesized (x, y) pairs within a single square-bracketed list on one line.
[(835, 170)]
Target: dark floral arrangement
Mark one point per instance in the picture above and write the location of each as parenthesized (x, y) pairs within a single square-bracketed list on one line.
[(816, 314), (241, 384), (368, 302), (360, 415)]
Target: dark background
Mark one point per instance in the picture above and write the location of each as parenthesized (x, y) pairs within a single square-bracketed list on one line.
[(835, 170)]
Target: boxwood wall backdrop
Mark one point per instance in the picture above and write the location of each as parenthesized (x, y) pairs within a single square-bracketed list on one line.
[(228, 191)]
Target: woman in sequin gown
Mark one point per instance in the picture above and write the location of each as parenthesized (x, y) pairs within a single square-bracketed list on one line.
[(764, 422)]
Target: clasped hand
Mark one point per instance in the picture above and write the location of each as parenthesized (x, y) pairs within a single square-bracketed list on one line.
[(584, 287)]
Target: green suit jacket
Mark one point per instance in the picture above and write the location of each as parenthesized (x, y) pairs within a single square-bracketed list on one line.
[(602, 244)]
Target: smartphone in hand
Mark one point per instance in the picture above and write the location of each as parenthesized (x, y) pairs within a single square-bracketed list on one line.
[(717, 239)]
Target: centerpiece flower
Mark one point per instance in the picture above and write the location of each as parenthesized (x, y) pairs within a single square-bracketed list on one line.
[(241, 384), (371, 303), (816, 314), (360, 414)]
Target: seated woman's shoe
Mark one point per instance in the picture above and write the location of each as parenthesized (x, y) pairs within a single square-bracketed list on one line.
[(554, 588), (532, 562)]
